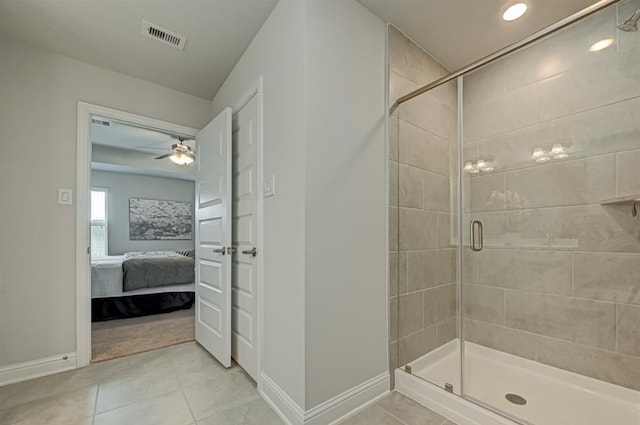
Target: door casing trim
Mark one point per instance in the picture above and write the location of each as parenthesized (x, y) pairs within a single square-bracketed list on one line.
[(83, 186)]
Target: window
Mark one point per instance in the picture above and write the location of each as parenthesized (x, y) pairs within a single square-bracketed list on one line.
[(99, 225)]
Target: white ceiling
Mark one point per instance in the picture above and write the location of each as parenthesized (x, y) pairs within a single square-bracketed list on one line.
[(126, 136), (107, 33), (459, 32), (124, 148)]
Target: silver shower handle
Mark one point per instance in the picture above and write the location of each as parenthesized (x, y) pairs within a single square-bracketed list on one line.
[(476, 246)]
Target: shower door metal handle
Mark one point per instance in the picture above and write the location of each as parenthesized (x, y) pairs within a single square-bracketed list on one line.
[(476, 246)]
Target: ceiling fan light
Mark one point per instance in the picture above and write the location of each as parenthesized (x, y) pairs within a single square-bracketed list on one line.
[(181, 159)]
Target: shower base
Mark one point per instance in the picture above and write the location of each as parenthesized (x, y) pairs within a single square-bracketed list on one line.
[(553, 396)]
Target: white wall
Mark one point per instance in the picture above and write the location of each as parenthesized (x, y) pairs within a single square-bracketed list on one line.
[(323, 64), (277, 53), (346, 273), (122, 187), (39, 92)]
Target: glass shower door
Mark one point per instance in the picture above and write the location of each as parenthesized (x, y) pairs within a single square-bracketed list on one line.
[(550, 172)]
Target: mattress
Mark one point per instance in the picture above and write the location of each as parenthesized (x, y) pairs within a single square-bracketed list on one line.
[(106, 280)]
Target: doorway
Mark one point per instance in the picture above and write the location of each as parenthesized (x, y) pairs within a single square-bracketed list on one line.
[(246, 264)]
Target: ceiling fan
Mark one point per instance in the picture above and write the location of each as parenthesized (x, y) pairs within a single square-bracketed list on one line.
[(180, 154)]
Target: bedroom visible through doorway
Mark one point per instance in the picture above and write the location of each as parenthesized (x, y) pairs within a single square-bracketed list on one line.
[(142, 238)]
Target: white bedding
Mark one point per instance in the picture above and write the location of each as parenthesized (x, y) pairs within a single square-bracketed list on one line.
[(106, 280)]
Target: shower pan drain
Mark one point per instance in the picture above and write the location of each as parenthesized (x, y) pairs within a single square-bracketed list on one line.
[(516, 399)]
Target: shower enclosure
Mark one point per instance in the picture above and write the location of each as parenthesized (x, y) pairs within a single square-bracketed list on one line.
[(515, 232)]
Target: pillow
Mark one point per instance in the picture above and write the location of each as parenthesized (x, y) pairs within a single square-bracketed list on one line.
[(191, 253)]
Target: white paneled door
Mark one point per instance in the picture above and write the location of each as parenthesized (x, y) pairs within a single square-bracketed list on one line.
[(213, 237), (245, 238)]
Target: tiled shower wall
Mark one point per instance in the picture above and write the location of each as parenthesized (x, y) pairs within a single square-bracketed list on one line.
[(423, 138), (559, 278)]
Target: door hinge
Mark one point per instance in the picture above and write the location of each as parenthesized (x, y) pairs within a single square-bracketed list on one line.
[(89, 250)]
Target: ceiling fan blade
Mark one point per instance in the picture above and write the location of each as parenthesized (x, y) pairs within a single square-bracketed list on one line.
[(191, 155), (152, 147), (167, 155)]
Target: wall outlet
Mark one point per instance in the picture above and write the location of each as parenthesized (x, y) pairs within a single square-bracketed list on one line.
[(65, 196), (269, 186)]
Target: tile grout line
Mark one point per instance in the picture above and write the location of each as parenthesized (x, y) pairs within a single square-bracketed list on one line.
[(391, 414), (95, 406)]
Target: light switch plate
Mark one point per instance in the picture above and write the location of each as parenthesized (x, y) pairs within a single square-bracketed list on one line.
[(269, 186), (65, 196)]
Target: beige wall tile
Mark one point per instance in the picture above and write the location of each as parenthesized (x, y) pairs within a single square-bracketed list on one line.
[(411, 61), (575, 358), (426, 269), (599, 364), (446, 331), (577, 320), (584, 181), (430, 114), (501, 114), (417, 229), (628, 171), (453, 265), (410, 314), (439, 304), (530, 270), (560, 52), (609, 77), (394, 134), (424, 150), (446, 238), (393, 273), (398, 87), (416, 345), (626, 371), (470, 266), (410, 184), (436, 192), (509, 229), (393, 229), (486, 193), (394, 179), (402, 273), (628, 329), (607, 129), (484, 303), (500, 338), (393, 319), (485, 83), (610, 277), (587, 228)]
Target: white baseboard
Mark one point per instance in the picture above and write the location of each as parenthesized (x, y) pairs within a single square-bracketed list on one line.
[(287, 409), (451, 406), (36, 368), (332, 411)]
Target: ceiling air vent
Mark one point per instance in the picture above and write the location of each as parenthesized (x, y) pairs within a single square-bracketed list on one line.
[(161, 34)]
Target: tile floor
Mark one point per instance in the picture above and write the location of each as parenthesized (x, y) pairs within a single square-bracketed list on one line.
[(396, 409), (179, 385)]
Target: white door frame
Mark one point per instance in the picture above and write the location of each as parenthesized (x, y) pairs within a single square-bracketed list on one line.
[(256, 89), (83, 186)]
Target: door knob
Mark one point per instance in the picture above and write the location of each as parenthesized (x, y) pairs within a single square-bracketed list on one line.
[(220, 251), (252, 252)]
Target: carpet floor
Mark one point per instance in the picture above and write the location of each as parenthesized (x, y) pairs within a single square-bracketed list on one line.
[(123, 337)]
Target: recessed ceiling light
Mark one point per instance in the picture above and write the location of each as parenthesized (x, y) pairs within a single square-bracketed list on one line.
[(601, 45), (514, 12)]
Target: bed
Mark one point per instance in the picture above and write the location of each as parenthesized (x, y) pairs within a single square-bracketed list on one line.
[(141, 283)]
